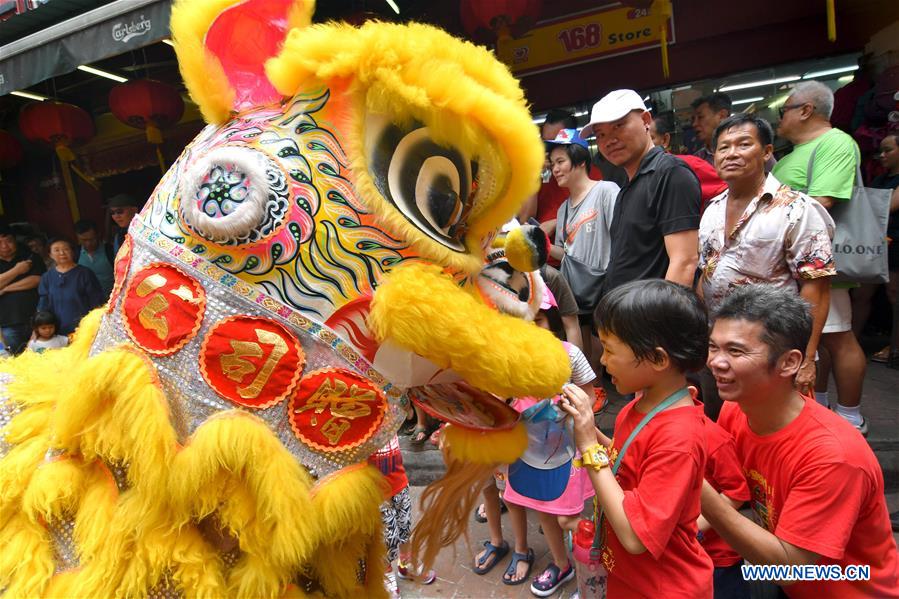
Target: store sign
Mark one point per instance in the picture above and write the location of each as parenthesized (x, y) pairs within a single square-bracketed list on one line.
[(594, 35), (129, 31), (124, 31)]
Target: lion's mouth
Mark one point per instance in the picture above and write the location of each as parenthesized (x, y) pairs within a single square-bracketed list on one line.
[(420, 309)]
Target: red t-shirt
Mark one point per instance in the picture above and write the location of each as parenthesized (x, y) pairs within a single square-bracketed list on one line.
[(661, 476), (710, 184), (817, 485), (722, 470)]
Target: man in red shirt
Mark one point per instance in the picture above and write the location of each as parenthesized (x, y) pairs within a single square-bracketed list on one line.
[(724, 474), (816, 487), (710, 183)]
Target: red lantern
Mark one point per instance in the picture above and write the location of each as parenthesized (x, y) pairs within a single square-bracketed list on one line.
[(61, 126), (10, 150), (56, 124), (488, 20), (149, 105)]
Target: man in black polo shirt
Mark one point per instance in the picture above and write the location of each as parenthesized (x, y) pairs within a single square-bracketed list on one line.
[(20, 273), (655, 224)]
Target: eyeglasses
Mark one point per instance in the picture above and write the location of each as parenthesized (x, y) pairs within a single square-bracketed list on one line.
[(783, 109)]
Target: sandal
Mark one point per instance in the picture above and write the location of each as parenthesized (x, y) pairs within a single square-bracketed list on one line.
[(482, 519), (552, 578), (513, 567), (883, 356), (481, 566)]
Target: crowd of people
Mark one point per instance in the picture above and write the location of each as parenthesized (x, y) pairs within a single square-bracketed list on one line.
[(702, 285), (47, 286), (711, 272)]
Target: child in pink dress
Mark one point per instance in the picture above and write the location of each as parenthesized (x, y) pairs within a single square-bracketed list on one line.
[(545, 481)]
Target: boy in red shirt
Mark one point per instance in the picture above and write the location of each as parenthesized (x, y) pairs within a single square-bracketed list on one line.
[(653, 332), (816, 486)]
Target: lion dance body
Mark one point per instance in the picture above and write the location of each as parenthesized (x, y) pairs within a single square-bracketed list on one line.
[(308, 263)]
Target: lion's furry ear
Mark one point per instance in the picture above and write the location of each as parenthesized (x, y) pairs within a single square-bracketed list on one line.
[(222, 46)]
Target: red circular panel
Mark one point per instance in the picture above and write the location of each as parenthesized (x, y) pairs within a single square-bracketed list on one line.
[(465, 406), (335, 409), (254, 362), (120, 270), (163, 308)]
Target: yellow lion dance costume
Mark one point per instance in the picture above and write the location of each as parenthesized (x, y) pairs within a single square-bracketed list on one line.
[(307, 264)]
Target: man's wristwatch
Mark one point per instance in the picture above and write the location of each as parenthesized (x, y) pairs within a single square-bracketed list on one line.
[(594, 457)]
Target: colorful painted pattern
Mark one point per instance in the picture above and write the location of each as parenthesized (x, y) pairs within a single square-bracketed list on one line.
[(330, 249)]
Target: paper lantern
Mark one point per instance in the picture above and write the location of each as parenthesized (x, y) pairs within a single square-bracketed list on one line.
[(60, 126), (148, 105), (489, 20)]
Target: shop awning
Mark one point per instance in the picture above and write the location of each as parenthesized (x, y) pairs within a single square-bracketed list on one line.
[(106, 31)]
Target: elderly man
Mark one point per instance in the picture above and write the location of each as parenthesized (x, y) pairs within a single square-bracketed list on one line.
[(816, 486), (834, 157), (20, 274), (761, 231), (654, 226)]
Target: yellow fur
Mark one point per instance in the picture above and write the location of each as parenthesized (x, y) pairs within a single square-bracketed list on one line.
[(495, 352), (116, 410), (347, 502), (201, 70), (234, 450), (26, 559), (54, 489), (61, 586), (486, 447), (419, 72)]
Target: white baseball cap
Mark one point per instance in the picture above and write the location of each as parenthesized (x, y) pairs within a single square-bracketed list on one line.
[(613, 106)]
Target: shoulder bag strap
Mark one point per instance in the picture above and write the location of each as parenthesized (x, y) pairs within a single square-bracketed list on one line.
[(666, 403)]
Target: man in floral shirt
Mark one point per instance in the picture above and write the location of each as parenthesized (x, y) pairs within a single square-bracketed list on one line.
[(760, 231)]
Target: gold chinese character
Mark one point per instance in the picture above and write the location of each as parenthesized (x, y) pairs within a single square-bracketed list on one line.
[(236, 366), (344, 403), (150, 284), (150, 315), (334, 429)]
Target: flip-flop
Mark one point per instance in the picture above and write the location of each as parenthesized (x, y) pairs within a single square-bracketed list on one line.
[(513, 567), (481, 566)]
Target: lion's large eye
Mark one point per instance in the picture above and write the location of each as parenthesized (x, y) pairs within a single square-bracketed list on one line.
[(429, 183), (234, 195)]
